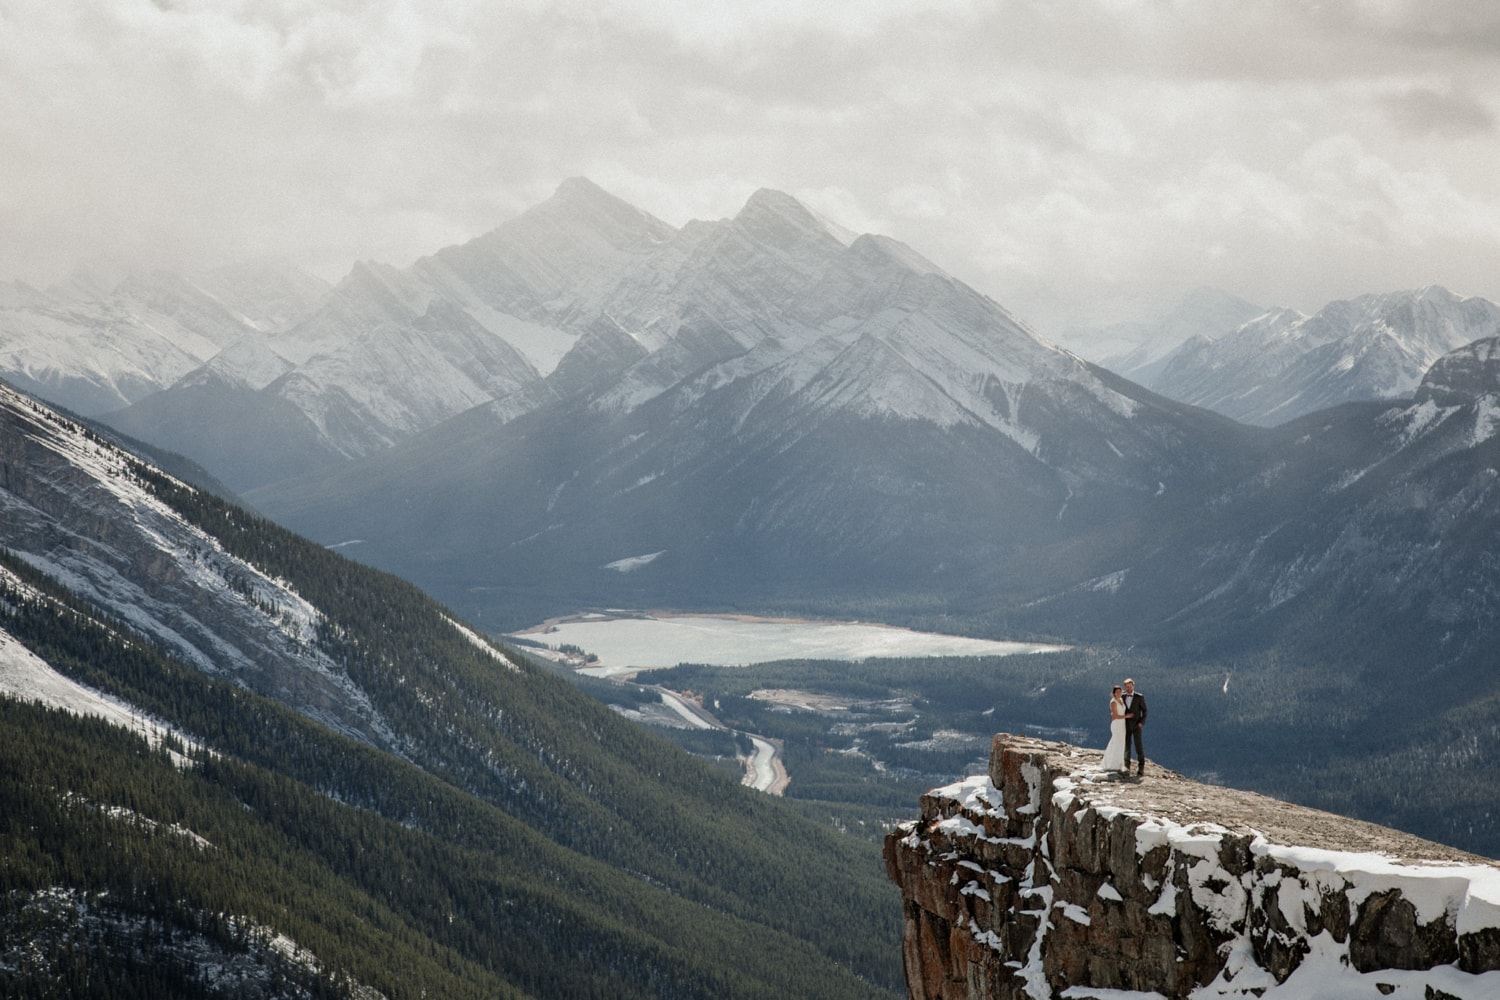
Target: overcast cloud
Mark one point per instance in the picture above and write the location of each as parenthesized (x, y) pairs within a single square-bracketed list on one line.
[(1070, 158)]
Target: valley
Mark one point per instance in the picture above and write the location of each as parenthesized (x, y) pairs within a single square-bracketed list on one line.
[(618, 645)]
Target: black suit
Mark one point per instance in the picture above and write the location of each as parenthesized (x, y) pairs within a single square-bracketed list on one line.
[(1135, 708)]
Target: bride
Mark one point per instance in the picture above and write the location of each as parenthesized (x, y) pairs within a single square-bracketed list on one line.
[(1114, 754)]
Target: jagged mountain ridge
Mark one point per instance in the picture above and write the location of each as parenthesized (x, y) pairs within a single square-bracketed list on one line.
[(588, 290), (390, 352), (592, 856), (1283, 365)]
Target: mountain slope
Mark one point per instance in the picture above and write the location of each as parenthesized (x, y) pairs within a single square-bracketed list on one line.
[(1364, 541), (462, 804), (1137, 349)]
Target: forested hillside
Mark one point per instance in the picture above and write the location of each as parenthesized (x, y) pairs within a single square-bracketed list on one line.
[(524, 840)]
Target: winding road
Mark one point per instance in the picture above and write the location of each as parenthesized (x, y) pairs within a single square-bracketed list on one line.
[(764, 769)]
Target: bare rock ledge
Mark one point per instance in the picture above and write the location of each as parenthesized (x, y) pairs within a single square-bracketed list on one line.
[(1049, 877)]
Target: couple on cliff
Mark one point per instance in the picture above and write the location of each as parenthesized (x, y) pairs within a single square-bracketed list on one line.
[(1127, 714)]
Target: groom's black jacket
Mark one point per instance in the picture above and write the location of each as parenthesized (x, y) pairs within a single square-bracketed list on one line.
[(1136, 708)]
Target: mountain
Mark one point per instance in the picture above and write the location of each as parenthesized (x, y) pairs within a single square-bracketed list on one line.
[(774, 409), (1136, 349), (98, 342), (252, 415), (279, 773), (1283, 364), (1368, 517), (388, 353), (1350, 580), (768, 413)]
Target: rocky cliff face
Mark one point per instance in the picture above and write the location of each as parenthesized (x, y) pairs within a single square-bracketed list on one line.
[(1049, 877)]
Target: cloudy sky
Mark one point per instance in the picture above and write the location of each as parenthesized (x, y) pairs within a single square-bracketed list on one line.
[(1075, 159)]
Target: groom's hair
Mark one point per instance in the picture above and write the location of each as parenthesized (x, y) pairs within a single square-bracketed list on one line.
[(1129, 680)]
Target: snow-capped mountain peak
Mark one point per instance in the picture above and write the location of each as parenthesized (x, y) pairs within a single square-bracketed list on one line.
[(778, 219)]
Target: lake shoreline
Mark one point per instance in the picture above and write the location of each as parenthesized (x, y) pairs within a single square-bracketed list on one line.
[(615, 641)]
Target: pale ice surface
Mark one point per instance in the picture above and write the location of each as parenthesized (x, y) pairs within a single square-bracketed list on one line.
[(641, 643)]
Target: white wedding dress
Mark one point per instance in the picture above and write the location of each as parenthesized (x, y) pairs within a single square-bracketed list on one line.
[(1114, 754)]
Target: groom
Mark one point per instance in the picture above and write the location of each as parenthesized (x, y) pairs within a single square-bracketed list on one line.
[(1135, 718)]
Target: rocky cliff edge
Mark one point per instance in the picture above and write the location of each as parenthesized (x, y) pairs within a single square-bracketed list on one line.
[(1049, 877)]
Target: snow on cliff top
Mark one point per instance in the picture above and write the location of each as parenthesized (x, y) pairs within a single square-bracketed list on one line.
[(1324, 849)]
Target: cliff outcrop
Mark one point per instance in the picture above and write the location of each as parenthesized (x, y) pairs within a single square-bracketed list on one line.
[(1049, 877)]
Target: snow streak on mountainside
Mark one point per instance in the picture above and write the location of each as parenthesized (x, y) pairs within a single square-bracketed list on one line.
[(26, 676), (1283, 364)]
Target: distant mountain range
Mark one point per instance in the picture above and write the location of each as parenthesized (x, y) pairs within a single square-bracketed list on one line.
[(328, 374), (1271, 366), (1136, 348), (100, 341)]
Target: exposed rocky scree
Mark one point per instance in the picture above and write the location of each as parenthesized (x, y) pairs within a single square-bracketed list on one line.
[(1049, 877)]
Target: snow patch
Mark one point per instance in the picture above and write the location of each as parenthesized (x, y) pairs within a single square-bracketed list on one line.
[(1486, 418), (631, 563), (481, 643)]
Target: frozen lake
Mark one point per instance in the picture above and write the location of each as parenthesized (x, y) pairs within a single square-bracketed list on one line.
[(624, 645)]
